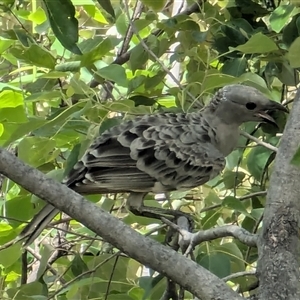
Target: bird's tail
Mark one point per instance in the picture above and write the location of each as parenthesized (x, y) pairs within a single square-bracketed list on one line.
[(38, 224)]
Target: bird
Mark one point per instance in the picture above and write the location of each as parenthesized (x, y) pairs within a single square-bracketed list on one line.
[(163, 152)]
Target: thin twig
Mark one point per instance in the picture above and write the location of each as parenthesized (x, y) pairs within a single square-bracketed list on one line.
[(145, 46), (122, 59), (38, 257), (259, 142), (239, 274)]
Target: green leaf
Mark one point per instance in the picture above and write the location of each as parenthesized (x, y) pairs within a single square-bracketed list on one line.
[(210, 219), (233, 35), (7, 86), (122, 24), (5, 229), (283, 71), (138, 57), (292, 30), (120, 106), (108, 123), (71, 66), (45, 253), (235, 204), (72, 158), (234, 254), (54, 74), (63, 117), (136, 293), (5, 44), (257, 160), (31, 291), (217, 263), (258, 43), (235, 67), (51, 95), (115, 73), (94, 51), (145, 101), (36, 150), (88, 45), (215, 79), (73, 288), (61, 15), (10, 255), (233, 179), (156, 5), (19, 208), (94, 12), (78, 266), (155, 81), (232, 159), (9, 98), (280, 16), (135, 83), (1, 129), (13, 114), (35, 55), (199, 36), (256, 81), (23, 129), (106, 5), (38, 16), (24, 37), (296, 158), (293, 54)]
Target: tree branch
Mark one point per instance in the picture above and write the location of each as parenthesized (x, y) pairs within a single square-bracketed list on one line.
[(124, 57), (278, 264), (239, 274), (258, 141), (235, 231), (201, 236), (145, 250)]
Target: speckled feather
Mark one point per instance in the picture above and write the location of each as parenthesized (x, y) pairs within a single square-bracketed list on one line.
[(153, 153)]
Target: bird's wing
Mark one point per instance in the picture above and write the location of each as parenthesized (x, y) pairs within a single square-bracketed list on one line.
[(154, 153)]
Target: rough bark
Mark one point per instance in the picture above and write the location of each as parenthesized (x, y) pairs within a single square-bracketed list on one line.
[(183, 271), (278, 264)]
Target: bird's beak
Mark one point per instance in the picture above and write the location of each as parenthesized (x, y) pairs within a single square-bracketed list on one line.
[(271, 107)]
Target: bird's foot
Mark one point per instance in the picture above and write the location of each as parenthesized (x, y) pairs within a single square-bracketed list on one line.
[(184, 234), (159, 213)]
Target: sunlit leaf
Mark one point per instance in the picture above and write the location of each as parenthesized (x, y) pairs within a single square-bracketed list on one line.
[(280, 16), (114, 73), (106, 5)]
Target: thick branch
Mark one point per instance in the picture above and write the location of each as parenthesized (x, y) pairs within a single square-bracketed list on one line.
[(145, 250), (278, 265)]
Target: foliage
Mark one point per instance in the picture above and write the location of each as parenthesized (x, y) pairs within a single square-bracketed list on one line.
[(71, 69)]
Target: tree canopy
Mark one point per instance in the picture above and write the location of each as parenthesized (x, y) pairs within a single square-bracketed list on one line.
[(70, 69)]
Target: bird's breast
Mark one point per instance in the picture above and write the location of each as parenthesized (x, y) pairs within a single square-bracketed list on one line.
[(226, 139)]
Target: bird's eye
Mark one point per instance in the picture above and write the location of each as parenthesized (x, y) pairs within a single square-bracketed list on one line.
[(251, 105)]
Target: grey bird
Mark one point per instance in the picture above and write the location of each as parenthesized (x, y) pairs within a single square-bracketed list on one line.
[(162, 152)]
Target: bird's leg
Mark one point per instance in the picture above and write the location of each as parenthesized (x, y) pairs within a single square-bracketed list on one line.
[(136, 206)]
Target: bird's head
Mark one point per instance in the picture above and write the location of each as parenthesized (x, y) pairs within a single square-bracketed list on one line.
[(239, 103)]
